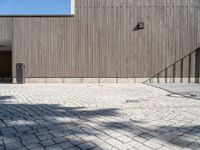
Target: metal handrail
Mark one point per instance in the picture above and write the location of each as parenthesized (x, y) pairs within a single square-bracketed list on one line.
[(172, 65)]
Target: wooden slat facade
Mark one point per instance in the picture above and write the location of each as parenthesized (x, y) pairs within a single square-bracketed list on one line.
[(101, 40)]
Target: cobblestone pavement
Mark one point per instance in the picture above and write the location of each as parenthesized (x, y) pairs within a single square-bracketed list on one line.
[(99, 116)]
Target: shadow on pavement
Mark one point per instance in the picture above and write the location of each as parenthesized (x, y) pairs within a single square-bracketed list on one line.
[(3, 98), (41, 126), (173, 93), (181, 137)]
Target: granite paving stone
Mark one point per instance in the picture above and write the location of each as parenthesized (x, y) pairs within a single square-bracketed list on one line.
[(87, 145), (66, 144), (99, 116), (48, 142)]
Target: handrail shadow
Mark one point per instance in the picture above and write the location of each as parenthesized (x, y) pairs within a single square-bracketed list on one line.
[(190, 96)]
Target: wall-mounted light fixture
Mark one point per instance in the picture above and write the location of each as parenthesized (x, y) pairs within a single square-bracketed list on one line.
[(140, 25)]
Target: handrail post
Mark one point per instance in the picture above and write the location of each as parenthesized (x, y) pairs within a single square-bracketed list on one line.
[(158, 78), (182, 70), (166, 75), (174, 72), (197, 65), (189, 69)]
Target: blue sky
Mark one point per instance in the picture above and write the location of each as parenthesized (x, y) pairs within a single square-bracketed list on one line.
[(35, 7)]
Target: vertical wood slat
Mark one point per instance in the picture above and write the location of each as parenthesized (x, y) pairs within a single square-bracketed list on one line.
[(6, 25), (99, 41), (75, 42), (96, 49)]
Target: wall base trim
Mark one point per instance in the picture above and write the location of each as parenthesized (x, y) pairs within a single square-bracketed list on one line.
[(105, 80), (173, 80), (83, 80)]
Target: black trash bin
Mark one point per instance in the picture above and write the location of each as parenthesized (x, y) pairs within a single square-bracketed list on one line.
[(20, 73)]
